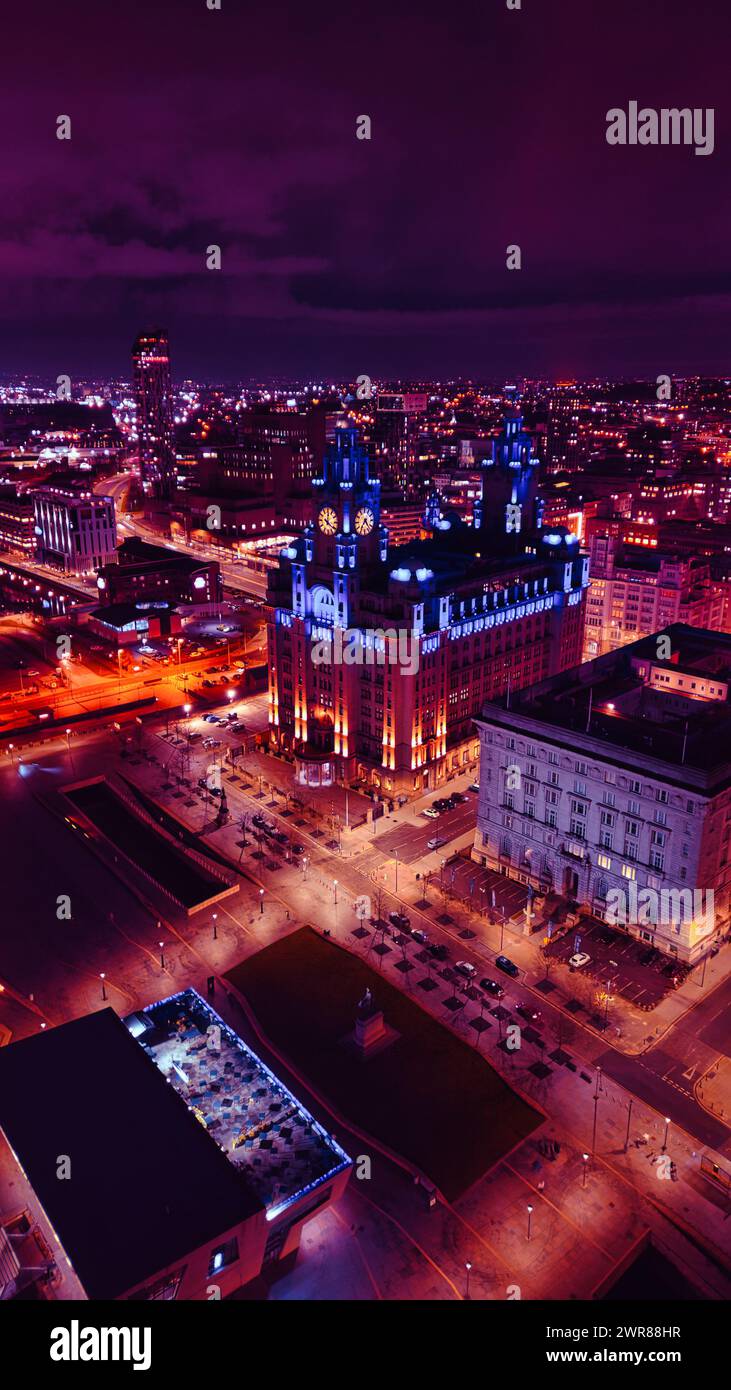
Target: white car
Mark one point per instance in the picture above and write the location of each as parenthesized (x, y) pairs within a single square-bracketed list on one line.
[(436, 842), (464, 968), (431, 813), (581, 958)]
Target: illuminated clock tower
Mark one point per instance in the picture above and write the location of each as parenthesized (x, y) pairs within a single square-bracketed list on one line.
[(346, 532)]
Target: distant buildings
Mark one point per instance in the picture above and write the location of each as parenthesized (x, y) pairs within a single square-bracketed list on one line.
[(612, 781), (143, 571), (636, 590), (17, 521), (153, 398), (75, 529), (380, 658)]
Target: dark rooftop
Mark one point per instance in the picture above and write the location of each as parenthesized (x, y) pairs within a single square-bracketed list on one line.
[(611, 699), (147, 1183)]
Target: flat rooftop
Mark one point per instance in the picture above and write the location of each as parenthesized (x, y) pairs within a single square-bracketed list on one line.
[(147, 1185), (157, 1169), (613, 700), (265, 1133)]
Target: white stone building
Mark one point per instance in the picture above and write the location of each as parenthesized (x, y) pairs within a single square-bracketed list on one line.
[(610, 784)]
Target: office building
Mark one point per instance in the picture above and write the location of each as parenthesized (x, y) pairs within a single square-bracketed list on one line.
[(431, 628), (614, 779), (154, 406)]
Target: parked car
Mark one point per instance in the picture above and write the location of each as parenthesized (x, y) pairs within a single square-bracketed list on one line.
[(491, 987), (435, 842), (297, 849), (420, 936), (280, 836), (259, 820), (441, 804), (431, 812), (473, 787), (464, 968), (527, 1012), (581, 958), (399, 920), (457, 798), (507, 966), (438, 950)]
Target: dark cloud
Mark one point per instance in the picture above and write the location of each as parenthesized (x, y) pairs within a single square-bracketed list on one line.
[(192, 127)]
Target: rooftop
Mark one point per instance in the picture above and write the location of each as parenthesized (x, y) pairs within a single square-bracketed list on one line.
[(676, 710), (147, 1185), (268, 1136), (156, 1170)]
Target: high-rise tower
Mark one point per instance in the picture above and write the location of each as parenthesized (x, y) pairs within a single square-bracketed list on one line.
[(153, 397)]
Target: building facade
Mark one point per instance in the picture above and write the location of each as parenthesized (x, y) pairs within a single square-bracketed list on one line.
[(612, 783), (154, 403), (636, 591), (140, 570), (380, 657), (75, 529)]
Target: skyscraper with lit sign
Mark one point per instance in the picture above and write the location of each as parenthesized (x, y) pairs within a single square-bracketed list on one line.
[(153, 397)]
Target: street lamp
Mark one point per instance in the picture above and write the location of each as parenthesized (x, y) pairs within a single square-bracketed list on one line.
[(396, 858), (335, 902), (530, 1213), (468, 1267), (261, 900), (161, 944), (215, 934), (586, 1160), (102, 977), (596, 1103), (665, 1138)]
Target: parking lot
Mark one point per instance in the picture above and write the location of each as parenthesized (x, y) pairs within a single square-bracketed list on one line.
[(619, 958)]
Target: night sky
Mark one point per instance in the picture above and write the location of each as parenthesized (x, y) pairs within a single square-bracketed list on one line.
[(341, 256)]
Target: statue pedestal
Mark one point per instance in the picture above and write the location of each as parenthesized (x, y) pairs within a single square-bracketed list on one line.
[(369, 1031), (370, 1035)]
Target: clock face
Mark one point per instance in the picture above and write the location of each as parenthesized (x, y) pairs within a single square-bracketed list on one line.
[(364, 521), (328, 521)]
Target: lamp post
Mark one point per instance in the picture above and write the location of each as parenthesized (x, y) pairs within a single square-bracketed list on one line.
[(530, 1214), (586, 1160), (215, 932), (468, 1268), (665, 1136), (335, 903), (261, 901), (161, 944), (103, 977), (395, 854), (596, 1104), (629, 1118)]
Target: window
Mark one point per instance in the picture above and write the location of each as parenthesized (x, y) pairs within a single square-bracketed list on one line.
[(635, 786), (631, 827), (628, 871), (604, 862), (223, 1256), (581, 768), (657, 859), (553, 778), (661, 794), (551, 817), (578, 828)]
